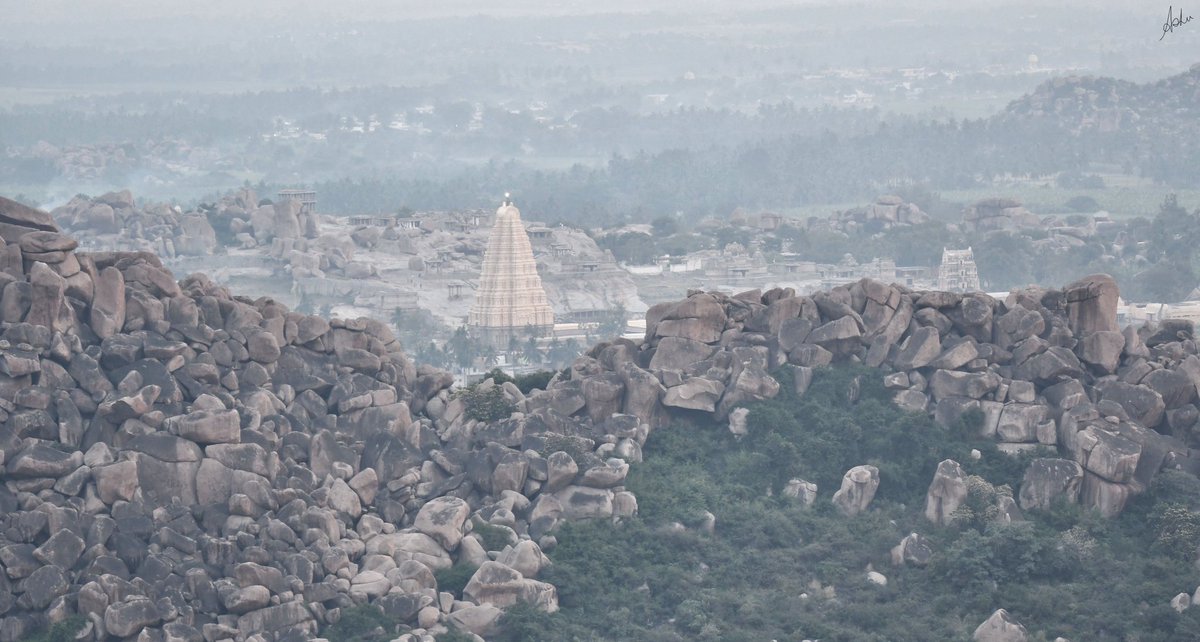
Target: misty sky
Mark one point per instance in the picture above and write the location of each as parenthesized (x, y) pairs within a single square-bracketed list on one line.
[(1110, 37)]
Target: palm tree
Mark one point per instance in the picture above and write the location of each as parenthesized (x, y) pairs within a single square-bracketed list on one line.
[(531, 354), (490, 356)]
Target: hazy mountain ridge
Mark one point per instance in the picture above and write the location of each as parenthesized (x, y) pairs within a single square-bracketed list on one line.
[(1088, 103)]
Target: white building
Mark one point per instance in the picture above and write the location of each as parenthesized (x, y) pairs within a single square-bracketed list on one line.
[(958, 272)]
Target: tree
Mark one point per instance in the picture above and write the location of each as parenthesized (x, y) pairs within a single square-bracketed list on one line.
[(560, 354), (531, 353), (630, 247), (613, 324), (488, 405), (664, 226), (1083, 204), (1178, 531), (490, 356), (1174, 233), (1164, 282), (431, 354), (462, 348)]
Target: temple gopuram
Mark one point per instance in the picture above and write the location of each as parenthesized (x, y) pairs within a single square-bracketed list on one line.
[(510, 300)]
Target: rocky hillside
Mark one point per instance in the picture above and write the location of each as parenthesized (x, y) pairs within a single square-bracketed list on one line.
[(183, 464), (885, 213), (1046, 367), (280, 232), (320, 262), (1102, 104)]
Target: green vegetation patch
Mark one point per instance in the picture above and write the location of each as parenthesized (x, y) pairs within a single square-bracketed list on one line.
[(364, 623), (774, 569), (486, 404), (64, 631)]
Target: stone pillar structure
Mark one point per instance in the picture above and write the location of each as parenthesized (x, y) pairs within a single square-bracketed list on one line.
[(510, 298)]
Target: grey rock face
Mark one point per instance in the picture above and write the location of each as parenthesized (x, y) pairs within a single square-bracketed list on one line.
[(676, 353), (207, 427), (913, 550), (696, 393), (1049, 480), (1000, 627), (501, 586), (443, 519), (129, 617), (858, 489), (946, 493), (1092, 304)]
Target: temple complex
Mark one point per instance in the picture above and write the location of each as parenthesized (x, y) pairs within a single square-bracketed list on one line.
[(510, 299)]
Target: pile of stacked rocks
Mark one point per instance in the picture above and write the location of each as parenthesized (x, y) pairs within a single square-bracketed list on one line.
[(115, 221), (885, 213), (1044, 369), (182, 464), (282, 234), (991, 214)]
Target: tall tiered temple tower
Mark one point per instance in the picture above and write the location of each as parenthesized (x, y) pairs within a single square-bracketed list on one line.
[(958, 272), (510, 299)]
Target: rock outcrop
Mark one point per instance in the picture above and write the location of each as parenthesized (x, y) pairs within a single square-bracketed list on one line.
[(946, 493), (1042, 370), (858, 489), (180, 463), (1000, 627), (993, 214), (885, 213)]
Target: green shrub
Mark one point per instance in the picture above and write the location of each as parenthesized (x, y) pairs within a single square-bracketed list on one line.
[(493, 538), (1065, 572), (62, 631), (499, 376), (1176, 487), (488, 405), (523, 622), (527, 383), (364, 623), (1178, 531), (691, 616), (576, 447), (454, 635), (454, 579)]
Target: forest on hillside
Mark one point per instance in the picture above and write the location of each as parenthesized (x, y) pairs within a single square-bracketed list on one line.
[(719, 552)]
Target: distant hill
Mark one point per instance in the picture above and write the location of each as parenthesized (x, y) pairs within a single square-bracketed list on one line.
[(1102, 104)]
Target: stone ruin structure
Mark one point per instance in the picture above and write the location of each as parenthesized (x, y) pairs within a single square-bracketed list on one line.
[(510, 300)]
